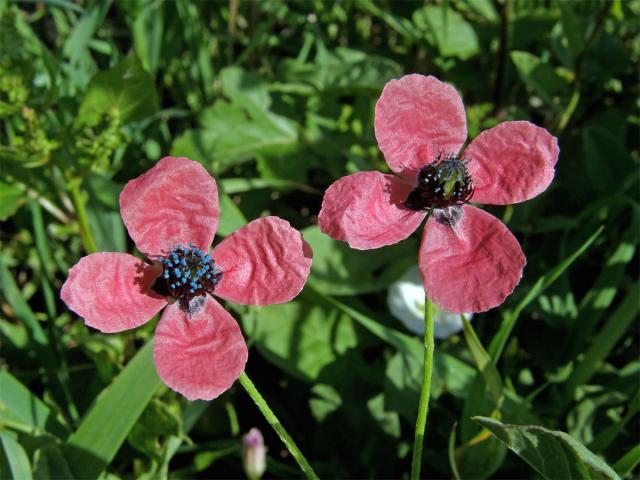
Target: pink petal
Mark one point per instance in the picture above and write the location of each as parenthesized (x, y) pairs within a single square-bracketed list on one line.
[(110, 291), (264, 262), (418, 117), (175, 202), (511, 163), (200, 355), (366, 209), (471, 267)]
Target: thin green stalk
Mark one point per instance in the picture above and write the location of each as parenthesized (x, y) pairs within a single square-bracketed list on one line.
[(423, 405), (83, 219), (277, 426)]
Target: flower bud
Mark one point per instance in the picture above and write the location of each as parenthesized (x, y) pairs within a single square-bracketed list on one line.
[(254, 454)]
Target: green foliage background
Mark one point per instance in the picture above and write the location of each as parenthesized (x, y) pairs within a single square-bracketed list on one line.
[(276, 100)]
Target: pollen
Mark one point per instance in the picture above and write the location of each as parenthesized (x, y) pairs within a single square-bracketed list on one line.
[(444, 183), (188, 272)]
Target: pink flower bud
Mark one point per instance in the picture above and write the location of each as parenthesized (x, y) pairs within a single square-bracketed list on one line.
[(254, 454)]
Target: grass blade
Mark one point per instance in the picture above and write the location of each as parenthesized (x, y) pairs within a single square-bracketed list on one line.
[(628, 462), (500, 339), (14, 459), (92, 447), (484, 363), (613, 330), (25, 411)]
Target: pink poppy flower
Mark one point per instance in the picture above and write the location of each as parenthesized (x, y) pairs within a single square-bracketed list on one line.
[(172, 213), (469, 261)]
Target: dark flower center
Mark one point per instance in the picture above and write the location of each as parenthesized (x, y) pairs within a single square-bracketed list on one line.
[(444, 183), (187, 273)]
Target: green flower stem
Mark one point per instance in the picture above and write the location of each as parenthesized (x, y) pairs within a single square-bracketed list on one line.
[(277, 426), (83, 220), (423, 405)]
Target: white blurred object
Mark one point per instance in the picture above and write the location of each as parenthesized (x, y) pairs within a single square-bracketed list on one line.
[(406, 302)]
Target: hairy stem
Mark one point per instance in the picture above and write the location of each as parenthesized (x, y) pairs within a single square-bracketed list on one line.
[(423, 405), (277, 426)]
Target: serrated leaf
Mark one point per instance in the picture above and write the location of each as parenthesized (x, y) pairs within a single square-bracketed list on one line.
[(300, 337), (541, 77), (553, 454)]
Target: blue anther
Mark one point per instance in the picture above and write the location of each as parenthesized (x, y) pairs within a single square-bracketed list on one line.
[(184, 280), (206, 267), (206, 258), (177, 272), (166, 274), (208, 276), (183, 262), (173, 286)]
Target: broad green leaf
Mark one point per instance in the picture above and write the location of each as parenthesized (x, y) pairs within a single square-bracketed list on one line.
[(246, 89), (447, 30), (399, 340), (231, 218), (552, 454), (325, 401), (103, 430), (403, 378), (157, 420), (126, 88), (300, 337), (14, 462), (23, 410), (342, 70), (11, 197), (340, 270), (538, 75), (228, 136), (389, 421)]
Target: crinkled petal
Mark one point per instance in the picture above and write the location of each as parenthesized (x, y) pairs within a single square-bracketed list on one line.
[(416, 118), (366, 209), (511, 163), (110, 291), (199, 355), (175, 202), (471, 267), (264, 262)]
